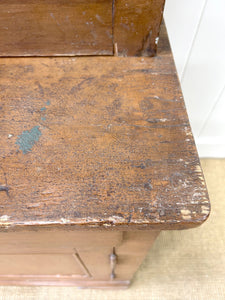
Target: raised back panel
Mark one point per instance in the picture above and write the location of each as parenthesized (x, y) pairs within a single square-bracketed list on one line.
[(55, 27), (79, 27)]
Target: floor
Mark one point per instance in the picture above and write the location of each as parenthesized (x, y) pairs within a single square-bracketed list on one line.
[(181, 265)]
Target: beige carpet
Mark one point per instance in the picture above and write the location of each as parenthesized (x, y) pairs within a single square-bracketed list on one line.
[(181, 265)]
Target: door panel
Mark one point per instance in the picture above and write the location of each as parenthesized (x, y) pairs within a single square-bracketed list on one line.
[(40, 264)]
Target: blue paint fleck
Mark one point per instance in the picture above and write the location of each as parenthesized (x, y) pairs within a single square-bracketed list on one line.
[(48, 103), (43, 118), (28, 138), (43, 109)]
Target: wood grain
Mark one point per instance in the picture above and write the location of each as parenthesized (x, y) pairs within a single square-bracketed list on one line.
[(55, 27), (136, 26), (79, 27), (102, 145), (87, 146)]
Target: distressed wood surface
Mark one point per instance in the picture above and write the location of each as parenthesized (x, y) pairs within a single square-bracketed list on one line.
[(79, 27), (97, 143), (55, 27), (136, 26)]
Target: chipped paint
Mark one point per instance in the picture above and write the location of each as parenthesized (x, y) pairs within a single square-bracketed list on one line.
[(206, 201), (205, 210), (10, 135), (198, 168), (188, 217), (4, 221), (64, 221), (28, 138), (116, 219), (157, 40), (4, 218), (188, 131), (186, 214), (196, 196), (43, 109)]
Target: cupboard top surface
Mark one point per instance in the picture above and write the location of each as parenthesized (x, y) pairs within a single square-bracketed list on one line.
[(97, 143)]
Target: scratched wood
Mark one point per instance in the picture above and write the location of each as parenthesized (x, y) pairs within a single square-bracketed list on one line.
[(55, 27), (136, 26), (97, 143)]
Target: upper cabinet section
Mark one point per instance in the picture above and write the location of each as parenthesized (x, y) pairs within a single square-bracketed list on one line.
[(79, 27), (55, 27)]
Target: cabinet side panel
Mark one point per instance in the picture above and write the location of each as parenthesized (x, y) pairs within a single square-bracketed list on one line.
[(136, 26), (132, 252)]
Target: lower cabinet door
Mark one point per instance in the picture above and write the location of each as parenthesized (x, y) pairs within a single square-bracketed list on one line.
[(85, 259)]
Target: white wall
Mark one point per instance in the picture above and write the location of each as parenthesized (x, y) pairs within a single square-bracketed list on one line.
[(196, 30)]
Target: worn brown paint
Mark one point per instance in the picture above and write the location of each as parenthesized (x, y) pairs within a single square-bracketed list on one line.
[(136, 26), (55, 27), (84, 27), (115, 150), (92, 150)]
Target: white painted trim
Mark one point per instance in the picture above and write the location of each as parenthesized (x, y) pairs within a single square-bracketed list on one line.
[(211, 146)]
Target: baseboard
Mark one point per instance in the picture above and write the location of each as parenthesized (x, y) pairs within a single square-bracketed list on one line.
[(211, 146)]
